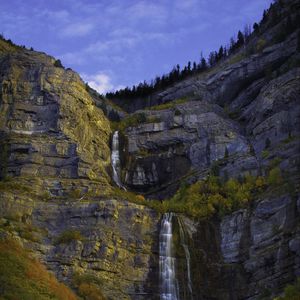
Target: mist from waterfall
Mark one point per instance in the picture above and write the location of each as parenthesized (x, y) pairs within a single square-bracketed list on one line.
[(115, 160), (168, 283)]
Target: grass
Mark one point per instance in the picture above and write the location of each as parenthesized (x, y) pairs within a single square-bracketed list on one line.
[(134, 120), (169, 105), (24, 277), (129, 121)]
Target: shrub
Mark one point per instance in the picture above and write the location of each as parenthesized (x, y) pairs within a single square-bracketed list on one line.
[(265, 153), (169, 105), (260, 45), (68, 236), (291, 292), (58, 64), (90, 291), (274, 177), (23, 277), (140, 198), (88, 286), (130, 121)]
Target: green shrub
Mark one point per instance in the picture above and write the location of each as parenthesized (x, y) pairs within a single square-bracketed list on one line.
[(291, 292), (130, 121), (58, 64), (169, 105), (265, 153), (261, 45), (274, 177), (68, 236)]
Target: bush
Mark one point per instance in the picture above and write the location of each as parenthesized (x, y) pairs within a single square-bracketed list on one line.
[(265, 153), (88, 286), (260, 45), (68, 236), (23, 277), (169, 105), (291, 292), (130, 121), (274, 177), (58, 64)]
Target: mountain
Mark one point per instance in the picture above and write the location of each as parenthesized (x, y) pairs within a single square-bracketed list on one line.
[(219, 149)]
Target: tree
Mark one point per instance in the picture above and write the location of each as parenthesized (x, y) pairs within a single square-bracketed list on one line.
[(212, 58), (194, 67), (203, 64), (58, 64), (240, 40), (255, 27), (247, 32), (221, 53), (189, 67)]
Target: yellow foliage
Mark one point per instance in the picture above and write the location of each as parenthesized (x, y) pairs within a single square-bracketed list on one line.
[(140, 198), (24, 277), (90, 291)]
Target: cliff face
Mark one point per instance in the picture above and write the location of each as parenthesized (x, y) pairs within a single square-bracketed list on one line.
[(49, 124), (57, 198), (55, 186), (238, 112)]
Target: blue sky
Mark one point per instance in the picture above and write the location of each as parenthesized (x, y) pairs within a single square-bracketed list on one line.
[(115, 43)]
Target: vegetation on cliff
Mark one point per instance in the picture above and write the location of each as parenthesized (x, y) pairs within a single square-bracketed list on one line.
[(291, 292), (24, 277), (244, 44), (214, 196)]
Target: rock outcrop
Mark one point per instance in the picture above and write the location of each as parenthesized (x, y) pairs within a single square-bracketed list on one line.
[(239, 117), (49, 123)]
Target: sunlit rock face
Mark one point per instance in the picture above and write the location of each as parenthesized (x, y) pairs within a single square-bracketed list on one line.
[(49, 122)]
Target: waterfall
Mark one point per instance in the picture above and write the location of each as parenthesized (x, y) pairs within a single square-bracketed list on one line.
[(168, 283), (187, 255), (115, 160)]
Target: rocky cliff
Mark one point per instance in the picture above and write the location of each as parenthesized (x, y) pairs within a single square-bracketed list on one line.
[(57, 199), (55, 164)]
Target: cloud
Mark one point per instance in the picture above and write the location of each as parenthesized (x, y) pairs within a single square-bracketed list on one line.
[(100, 81), (73, 58), (77, 29)]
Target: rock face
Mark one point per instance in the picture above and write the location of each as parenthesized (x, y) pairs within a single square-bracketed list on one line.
[(118, 239), (264, 242), (238, 116), (49, 124), (188, 138), (55, 159), (243, 116)]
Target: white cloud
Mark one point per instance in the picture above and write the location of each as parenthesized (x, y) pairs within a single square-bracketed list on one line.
[(77, 29), (101, 82)]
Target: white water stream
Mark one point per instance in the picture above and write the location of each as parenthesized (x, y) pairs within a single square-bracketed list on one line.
[(168, 283), (115, 160)]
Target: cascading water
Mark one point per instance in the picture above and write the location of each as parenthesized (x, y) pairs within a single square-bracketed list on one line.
[(115, 160), (168, 283), (185, 247)]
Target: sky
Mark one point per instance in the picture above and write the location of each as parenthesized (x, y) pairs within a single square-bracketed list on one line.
[(118, 43)]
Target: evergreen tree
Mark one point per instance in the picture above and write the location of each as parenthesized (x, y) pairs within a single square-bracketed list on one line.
[(240, 40)]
